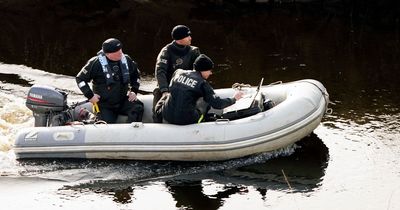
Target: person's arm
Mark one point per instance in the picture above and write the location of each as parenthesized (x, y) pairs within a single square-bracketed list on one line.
[(215, 101), (134, 80), (161, 70), (84, 77), (134, 75)]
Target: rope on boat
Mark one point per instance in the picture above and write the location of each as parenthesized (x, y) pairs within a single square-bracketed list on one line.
[(239, 86), (324, 93), (326, 98)]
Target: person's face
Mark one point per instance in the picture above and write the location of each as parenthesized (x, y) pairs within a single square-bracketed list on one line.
[(115, 56), (185, 41), (206, 74)]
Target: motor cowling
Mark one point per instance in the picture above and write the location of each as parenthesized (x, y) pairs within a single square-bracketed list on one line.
[(45, 102)]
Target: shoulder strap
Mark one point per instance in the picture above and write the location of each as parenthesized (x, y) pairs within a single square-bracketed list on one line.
[(125, 69), (107, 70)]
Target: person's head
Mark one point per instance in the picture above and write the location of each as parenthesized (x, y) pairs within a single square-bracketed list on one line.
[(182, 35), (113, 49), (204, 65)]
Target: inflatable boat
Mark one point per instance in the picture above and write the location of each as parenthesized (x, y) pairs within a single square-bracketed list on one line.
[(237, 132)]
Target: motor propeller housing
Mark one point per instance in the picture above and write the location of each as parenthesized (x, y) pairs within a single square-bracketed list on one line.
[(45, 102)]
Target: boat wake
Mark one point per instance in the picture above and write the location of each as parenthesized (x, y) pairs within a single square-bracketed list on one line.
[(79, 173), (14, 115)]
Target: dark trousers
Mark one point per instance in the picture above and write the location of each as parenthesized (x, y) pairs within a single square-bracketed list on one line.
[(157, 105), (134, 111)]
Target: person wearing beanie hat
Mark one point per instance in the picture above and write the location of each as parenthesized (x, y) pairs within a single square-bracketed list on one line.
[(115, 81), (186, 87), (179, 32), (111, 45), (179, 54), (203, 63)]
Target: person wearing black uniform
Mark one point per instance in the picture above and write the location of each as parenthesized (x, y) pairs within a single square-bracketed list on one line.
[(179, 54), (116, 80), (186, 87)]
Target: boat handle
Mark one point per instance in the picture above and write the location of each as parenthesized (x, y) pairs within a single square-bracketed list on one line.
[(222, 121), (77, 126), (275, 83), (100, 122), (136, 124)]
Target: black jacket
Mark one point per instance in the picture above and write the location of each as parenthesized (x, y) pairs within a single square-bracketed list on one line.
[(185, 89), (171, 58), (113, 94)]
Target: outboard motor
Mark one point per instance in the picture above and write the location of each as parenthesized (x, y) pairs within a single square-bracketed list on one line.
[(47, 103)]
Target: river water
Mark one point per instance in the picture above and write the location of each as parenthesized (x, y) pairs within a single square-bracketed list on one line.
[(351, 161)]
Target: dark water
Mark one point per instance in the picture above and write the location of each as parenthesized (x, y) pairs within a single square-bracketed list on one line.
[(353, 48), (118, 180)]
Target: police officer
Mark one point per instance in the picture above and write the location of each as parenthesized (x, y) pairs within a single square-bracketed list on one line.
[(116, 79), (186, 87), (179, 54)]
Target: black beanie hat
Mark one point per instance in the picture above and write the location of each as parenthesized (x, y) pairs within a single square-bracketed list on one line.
[(203, 63), (111, 45), (180, 32)]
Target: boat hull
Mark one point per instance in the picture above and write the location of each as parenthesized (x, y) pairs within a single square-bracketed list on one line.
[(299, 110)]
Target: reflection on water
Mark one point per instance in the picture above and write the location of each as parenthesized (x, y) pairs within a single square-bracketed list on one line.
[(304, 168), (192, 185), (189, 194)]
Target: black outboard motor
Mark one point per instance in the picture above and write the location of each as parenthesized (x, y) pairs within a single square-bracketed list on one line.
[(46, 103)]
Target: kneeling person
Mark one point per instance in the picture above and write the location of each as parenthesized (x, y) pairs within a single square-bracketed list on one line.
[(186, 87)]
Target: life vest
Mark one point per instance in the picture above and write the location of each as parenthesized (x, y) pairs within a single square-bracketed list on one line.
[(107, 70)]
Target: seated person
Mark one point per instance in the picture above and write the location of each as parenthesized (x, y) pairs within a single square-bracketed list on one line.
[(186, 87), (115, 78)]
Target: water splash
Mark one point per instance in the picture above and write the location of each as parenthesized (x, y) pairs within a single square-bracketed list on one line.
[(13, 116)]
